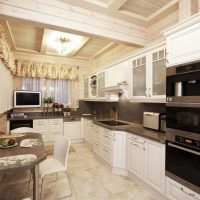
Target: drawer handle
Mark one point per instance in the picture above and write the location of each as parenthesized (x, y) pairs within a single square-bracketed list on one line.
[(105, 149), (96, 144)]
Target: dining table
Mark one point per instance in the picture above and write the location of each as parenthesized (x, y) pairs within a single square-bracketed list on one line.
[(34, 154)]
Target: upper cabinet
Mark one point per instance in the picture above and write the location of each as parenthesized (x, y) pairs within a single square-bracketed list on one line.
[(86, 89), (101, 85), (182, 42), (147, 77), (117, 74)]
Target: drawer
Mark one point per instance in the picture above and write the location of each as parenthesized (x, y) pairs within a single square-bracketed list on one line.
[(106, 154), (97, 148), (107, 140), (98, 137), (55, 121), (52, 136), (135, 138)]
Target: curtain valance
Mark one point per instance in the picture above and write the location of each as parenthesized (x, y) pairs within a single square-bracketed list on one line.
[(29, 68), (6, 55)]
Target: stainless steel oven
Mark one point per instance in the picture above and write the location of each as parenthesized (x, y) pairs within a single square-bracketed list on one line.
[(183, 158)]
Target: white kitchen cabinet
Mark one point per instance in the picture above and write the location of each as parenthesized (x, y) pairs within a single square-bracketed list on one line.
[(154, 165), (117, 74), (119, 152), (101, 85), (182, 42), (49, 129), (86, 88), (72, 130), (147, 76), (135, 156), (176, 191), (146, 160), (88, 134)]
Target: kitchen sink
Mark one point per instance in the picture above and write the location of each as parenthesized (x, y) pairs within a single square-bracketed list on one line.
[(113, 123)]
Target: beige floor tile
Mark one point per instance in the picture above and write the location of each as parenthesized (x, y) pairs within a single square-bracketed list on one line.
[(90, 179)]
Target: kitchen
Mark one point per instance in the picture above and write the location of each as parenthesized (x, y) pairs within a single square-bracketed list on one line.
[(131, 65)]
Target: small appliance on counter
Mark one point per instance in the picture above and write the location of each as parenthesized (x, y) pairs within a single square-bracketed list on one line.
[(155, 121)]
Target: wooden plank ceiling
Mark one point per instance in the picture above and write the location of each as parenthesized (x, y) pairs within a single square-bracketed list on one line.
[(26, 37)]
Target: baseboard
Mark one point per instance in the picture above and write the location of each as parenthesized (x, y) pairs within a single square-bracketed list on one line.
[(120, 171)]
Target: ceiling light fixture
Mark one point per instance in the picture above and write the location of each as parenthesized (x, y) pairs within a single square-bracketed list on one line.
[(62, 45)]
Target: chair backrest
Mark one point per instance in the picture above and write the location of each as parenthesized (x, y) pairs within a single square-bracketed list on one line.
[(22, 130), (61, 149)]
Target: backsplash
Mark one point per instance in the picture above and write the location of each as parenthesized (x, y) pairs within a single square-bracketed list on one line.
[(127, 111)]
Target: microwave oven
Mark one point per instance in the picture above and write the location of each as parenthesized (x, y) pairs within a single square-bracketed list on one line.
[(183, 83)]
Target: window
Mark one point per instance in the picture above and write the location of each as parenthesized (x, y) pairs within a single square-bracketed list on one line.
[(60, 90)]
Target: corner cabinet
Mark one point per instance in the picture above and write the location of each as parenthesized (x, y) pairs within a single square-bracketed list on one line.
[(147, 77)]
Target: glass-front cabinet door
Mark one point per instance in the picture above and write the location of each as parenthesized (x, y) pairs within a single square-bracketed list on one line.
[(158, 73), (139, 77), (86, 91), (101, 85)]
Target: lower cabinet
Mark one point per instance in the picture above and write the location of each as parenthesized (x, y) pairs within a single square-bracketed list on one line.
[(146, 160), (49, 129), (87, 126), (176, 191), (135, 156), (154, 165), (72, 130), (119, 152)]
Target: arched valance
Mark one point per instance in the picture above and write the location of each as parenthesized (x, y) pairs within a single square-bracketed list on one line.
[(29, 68)]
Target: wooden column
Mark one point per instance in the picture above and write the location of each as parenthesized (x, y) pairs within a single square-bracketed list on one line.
[(185, 9)]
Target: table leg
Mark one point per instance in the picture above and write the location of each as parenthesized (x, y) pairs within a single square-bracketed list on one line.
[(35, 171)]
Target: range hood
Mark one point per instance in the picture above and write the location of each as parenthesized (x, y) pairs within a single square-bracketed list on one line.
[(116, 89)]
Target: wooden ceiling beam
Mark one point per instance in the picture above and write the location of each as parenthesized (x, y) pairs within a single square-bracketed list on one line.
[(104, 50), (82, 44), (44, 41), (115, 5), (60, 16)]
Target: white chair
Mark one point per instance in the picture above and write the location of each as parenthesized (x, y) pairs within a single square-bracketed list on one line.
[(58, 163), (22, 130)]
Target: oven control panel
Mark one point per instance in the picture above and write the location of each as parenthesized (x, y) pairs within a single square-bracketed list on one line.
[(187, 141)]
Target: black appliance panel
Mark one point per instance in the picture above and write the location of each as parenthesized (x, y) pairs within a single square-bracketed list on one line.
[(184, 162), (20, 123), (183, 118)]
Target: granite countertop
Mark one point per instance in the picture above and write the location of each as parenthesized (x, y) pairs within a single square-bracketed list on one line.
[(136, 129)]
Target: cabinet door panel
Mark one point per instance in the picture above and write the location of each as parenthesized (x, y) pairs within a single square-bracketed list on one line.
[(135, 159), (101, 84), (154, 169), (72, 130), (139, 81)]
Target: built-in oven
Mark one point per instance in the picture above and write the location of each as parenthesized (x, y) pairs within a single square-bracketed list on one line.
[(183, 158), (20, 123), (183, 117), (183, 83)]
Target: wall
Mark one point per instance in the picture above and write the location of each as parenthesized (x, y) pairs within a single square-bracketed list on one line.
[(3, 123), (112, 56)]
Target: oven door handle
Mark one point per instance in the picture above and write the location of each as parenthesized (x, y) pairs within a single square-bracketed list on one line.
[(184, 149)]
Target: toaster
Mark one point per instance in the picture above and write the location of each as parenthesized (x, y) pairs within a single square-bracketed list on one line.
[(155, 121)]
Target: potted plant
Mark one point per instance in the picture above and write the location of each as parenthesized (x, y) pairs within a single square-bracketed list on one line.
[(48, 102), (66, 111)]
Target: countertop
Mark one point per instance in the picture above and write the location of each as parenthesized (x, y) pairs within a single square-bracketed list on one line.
[(133, 128)]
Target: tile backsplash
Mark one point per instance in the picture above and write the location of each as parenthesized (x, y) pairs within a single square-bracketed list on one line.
[(127, 111)]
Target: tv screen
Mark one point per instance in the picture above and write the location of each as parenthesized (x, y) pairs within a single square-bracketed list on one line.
[(27, 99)]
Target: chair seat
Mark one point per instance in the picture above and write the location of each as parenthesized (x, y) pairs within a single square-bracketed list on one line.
[(50, 166)]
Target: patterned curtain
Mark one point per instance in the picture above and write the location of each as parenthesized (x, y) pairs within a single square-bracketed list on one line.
[(29, 68), (6, 55)]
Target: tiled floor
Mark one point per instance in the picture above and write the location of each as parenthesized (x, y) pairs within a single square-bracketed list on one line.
[(90, 180)]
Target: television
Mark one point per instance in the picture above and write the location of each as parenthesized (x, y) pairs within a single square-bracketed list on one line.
[(27, 99)]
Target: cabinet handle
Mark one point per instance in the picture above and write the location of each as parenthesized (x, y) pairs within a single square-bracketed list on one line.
[(96, 144), (144, 148), (105, 149)]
